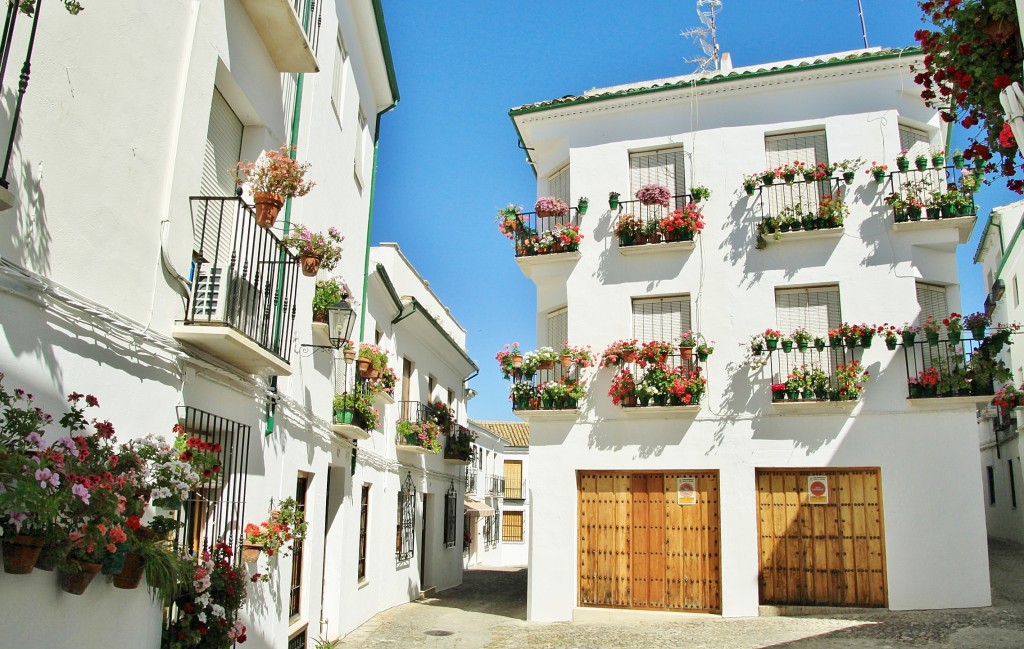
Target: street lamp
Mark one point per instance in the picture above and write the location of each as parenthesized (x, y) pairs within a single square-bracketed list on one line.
[(341, 318)]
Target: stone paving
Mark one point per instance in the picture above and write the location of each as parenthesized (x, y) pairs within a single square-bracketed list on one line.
[(488, 611)]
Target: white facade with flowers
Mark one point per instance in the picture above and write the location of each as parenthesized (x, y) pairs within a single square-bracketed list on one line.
[(742, 498), (130, 270)]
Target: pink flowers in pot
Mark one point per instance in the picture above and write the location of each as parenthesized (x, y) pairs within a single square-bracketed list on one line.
[(654, 194)]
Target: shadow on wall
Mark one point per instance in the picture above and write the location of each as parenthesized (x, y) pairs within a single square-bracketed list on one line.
[(614, 268), (876, 231)]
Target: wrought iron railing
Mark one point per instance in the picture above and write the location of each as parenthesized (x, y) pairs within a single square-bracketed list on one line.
[(649, 217), (458, 444), (241, 275), (514, 490), (949, 368), (215, 510), (815, 372), (309, 14), (405, 543), (495, 485), (796, 205), (928, 187), (688, 366), (5, 53), (557, 373), (534, 233), (471, 479)]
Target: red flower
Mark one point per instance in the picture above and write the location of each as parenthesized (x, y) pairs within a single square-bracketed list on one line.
[(1006, 139), (133, 523)]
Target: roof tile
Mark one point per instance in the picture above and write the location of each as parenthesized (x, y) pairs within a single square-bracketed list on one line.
[(516, 433)]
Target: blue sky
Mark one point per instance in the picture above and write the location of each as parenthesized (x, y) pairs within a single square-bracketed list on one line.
[(448, 152)]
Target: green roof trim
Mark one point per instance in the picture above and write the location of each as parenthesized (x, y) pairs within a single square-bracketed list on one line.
[(984, 235), (571, 100), (385, 46)]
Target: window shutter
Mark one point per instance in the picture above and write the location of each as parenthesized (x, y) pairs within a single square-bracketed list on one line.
[(809, 147), (558, 328), (660, 318), (664, 167), (816, 309), (512, 526), (338, 83), (558, 184), (931, 300), (915, 142), (213, 229), (513, 479)]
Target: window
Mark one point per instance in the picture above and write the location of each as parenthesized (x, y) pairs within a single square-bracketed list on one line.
[(298, 641), (512, 527), (558, 327), (295, 596), (991, 485), (915, 142), (340, 77), (660, 318), (364, 525), (810, 148), (431, 386), (1016, 295), (815, 308), (357, 163), (492, 530), (405, 542), (450, 513), (663, 166), (513, 479), (1013, 487), (223, 151), (558, 184), (931, 300)]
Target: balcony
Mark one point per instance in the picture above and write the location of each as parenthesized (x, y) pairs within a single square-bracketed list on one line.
[(661, 381), (471, 480), (550, 392), (546, 244), (800, 210), (242, 306), (935, 198), (819, 378), (514, 491), (495, 485), (289, 29), (951, 372), (458, 447), (639, 231), (417, 431)]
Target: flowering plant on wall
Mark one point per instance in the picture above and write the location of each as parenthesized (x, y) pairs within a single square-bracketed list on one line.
[(851, 377), (275, 172), (547, 206), (654, 194), (620, 351), (420, 433), (306, 243), (568, 235), (207, 609), (510, 220), (623, 387), (277, 535)]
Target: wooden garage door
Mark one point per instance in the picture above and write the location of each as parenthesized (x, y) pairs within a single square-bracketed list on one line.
[(828, 553), (639, 548)]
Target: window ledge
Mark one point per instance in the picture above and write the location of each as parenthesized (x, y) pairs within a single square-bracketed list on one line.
[(964, 224), (794, 407), (655, 248), (805, 235), (410, 448), (949, 403), (385, 398), (6, 199), (350, 431), (660, 412), (569, 414), (534, 266), (297, 626)]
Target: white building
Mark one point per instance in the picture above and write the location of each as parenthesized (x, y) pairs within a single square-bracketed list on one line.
[(515, 512), (112, 284), (707, 507), (484, 493), (999, 253)]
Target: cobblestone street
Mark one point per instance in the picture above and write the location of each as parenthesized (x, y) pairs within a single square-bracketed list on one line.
[(488, 611)]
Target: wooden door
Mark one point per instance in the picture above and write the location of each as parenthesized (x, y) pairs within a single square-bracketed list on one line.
[(828, 554), (639, 548)]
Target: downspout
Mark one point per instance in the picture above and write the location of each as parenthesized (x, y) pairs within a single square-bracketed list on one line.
[(293, 140), (369, 221)]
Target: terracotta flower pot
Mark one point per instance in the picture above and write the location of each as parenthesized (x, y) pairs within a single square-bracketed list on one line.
[(517, 360), (686, 352), (547, 365), (364, 366), (565, 360), (76, 582), (349, 354), (21, 552), (131, 572), (268, 206), (310, 266), (251, 552)]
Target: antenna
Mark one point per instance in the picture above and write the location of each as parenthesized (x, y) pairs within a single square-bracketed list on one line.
[(863, 27), (706, 36)]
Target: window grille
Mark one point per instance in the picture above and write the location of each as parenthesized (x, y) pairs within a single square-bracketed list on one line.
[(407, 521), (558, 184), (215, 511), (492, 530), (817, 310), (513, 479), (471, 474), (298, 641), (295, 594), (364, 524), (809, 148), (664, 167), (512, 527), (660, 318), (450, 512)]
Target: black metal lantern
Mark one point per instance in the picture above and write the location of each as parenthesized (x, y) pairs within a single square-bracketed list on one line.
[(341, 318)]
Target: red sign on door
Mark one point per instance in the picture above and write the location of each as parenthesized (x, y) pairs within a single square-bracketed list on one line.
[(817, 489)]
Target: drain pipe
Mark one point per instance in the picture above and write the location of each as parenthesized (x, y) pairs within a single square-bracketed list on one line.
[(369, 221)]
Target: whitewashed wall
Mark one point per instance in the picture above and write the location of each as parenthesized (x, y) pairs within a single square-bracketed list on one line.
[(934, 559)]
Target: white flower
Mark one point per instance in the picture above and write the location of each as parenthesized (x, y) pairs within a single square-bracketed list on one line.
[(201, 617), (217, 610)]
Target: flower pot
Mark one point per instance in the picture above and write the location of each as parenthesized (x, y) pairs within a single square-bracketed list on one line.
[(372, 373), (702, 357), (640, 239), (909, 337), (349, 354), (517, 360), (76, 582), (958, 161), (865, 341), (938, 161), (848, 177), (784, 227), (629, 357), (364, 365), (821, 394), (835, 341), (771, 343), (310, 266), (802, 345), (343, 416), (796, 226), (268, 206), (251, 552), (948, 211), (778, 395), (978, 332), (768, 179), (787, 346), (809, 177), (51, 555), (21, 552), (546, 365), (789, 177), (965, 209), (954, 337), (819, 345), (851, 342), (756, 350), (914, 213), (879, 176), (749, 190), (546, 214), (547, 402), (933, 213), (890, 344), (900, 216), (793, 395), (686, 353), (921, 162), (582, 207), (535, 403), (613, 203), (113, 563), (131, 573), (915, 391), (565, 360), (932, 337), (626, 239)]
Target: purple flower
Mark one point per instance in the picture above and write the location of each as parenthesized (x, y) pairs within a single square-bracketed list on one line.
[(81, 492), (70, 445), (45, 476), (16, 519), (37, 439)]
